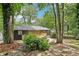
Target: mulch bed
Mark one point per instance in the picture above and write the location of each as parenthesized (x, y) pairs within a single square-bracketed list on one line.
[(8, 47)]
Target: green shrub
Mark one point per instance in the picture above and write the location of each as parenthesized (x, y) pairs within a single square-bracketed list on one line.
[(43, 44), (53, 34), (31, 43), (75, 33)]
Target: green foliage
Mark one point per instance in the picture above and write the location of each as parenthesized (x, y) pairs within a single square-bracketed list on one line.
[(42, 5), (28, 11), (70, 15), (43, 44), (75, 32), (47, 21), (16, 7), (1, 19), (53, 34), (31, 43), (1, 24)]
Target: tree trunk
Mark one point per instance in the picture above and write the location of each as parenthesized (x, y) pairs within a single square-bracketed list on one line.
[(58, 23), (77, 15), (62, 20), (29, 20), (54, 17), (24, 20), (7, 23), (77, 34)]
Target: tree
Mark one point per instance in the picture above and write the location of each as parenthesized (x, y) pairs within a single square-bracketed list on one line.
[(62, 20), (29, 12), (70, 12), (58, 23), (54, 11), (77, 37), (1, 20), (9, 11), (46, 21), (7, 23), (42, 5)]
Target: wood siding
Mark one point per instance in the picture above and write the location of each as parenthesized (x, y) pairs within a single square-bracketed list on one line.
[(38, 33)]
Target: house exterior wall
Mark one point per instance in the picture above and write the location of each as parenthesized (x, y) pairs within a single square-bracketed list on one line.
[(38, 33)]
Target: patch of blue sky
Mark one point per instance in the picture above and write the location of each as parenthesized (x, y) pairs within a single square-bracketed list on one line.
[(41, 13)]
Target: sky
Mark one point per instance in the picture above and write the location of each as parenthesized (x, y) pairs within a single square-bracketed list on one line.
[(41, 13)]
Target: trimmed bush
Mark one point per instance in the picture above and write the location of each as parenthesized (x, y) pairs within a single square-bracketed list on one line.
[(31, 42)]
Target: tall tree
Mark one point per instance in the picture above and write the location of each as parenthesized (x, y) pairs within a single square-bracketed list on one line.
[(58, 23), (77, 37), (46, 21), (62, 20), (70, 12), (7, 23), (54, 11), (28, 11)]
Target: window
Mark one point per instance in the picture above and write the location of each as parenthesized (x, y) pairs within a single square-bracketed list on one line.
[(19, 32)]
